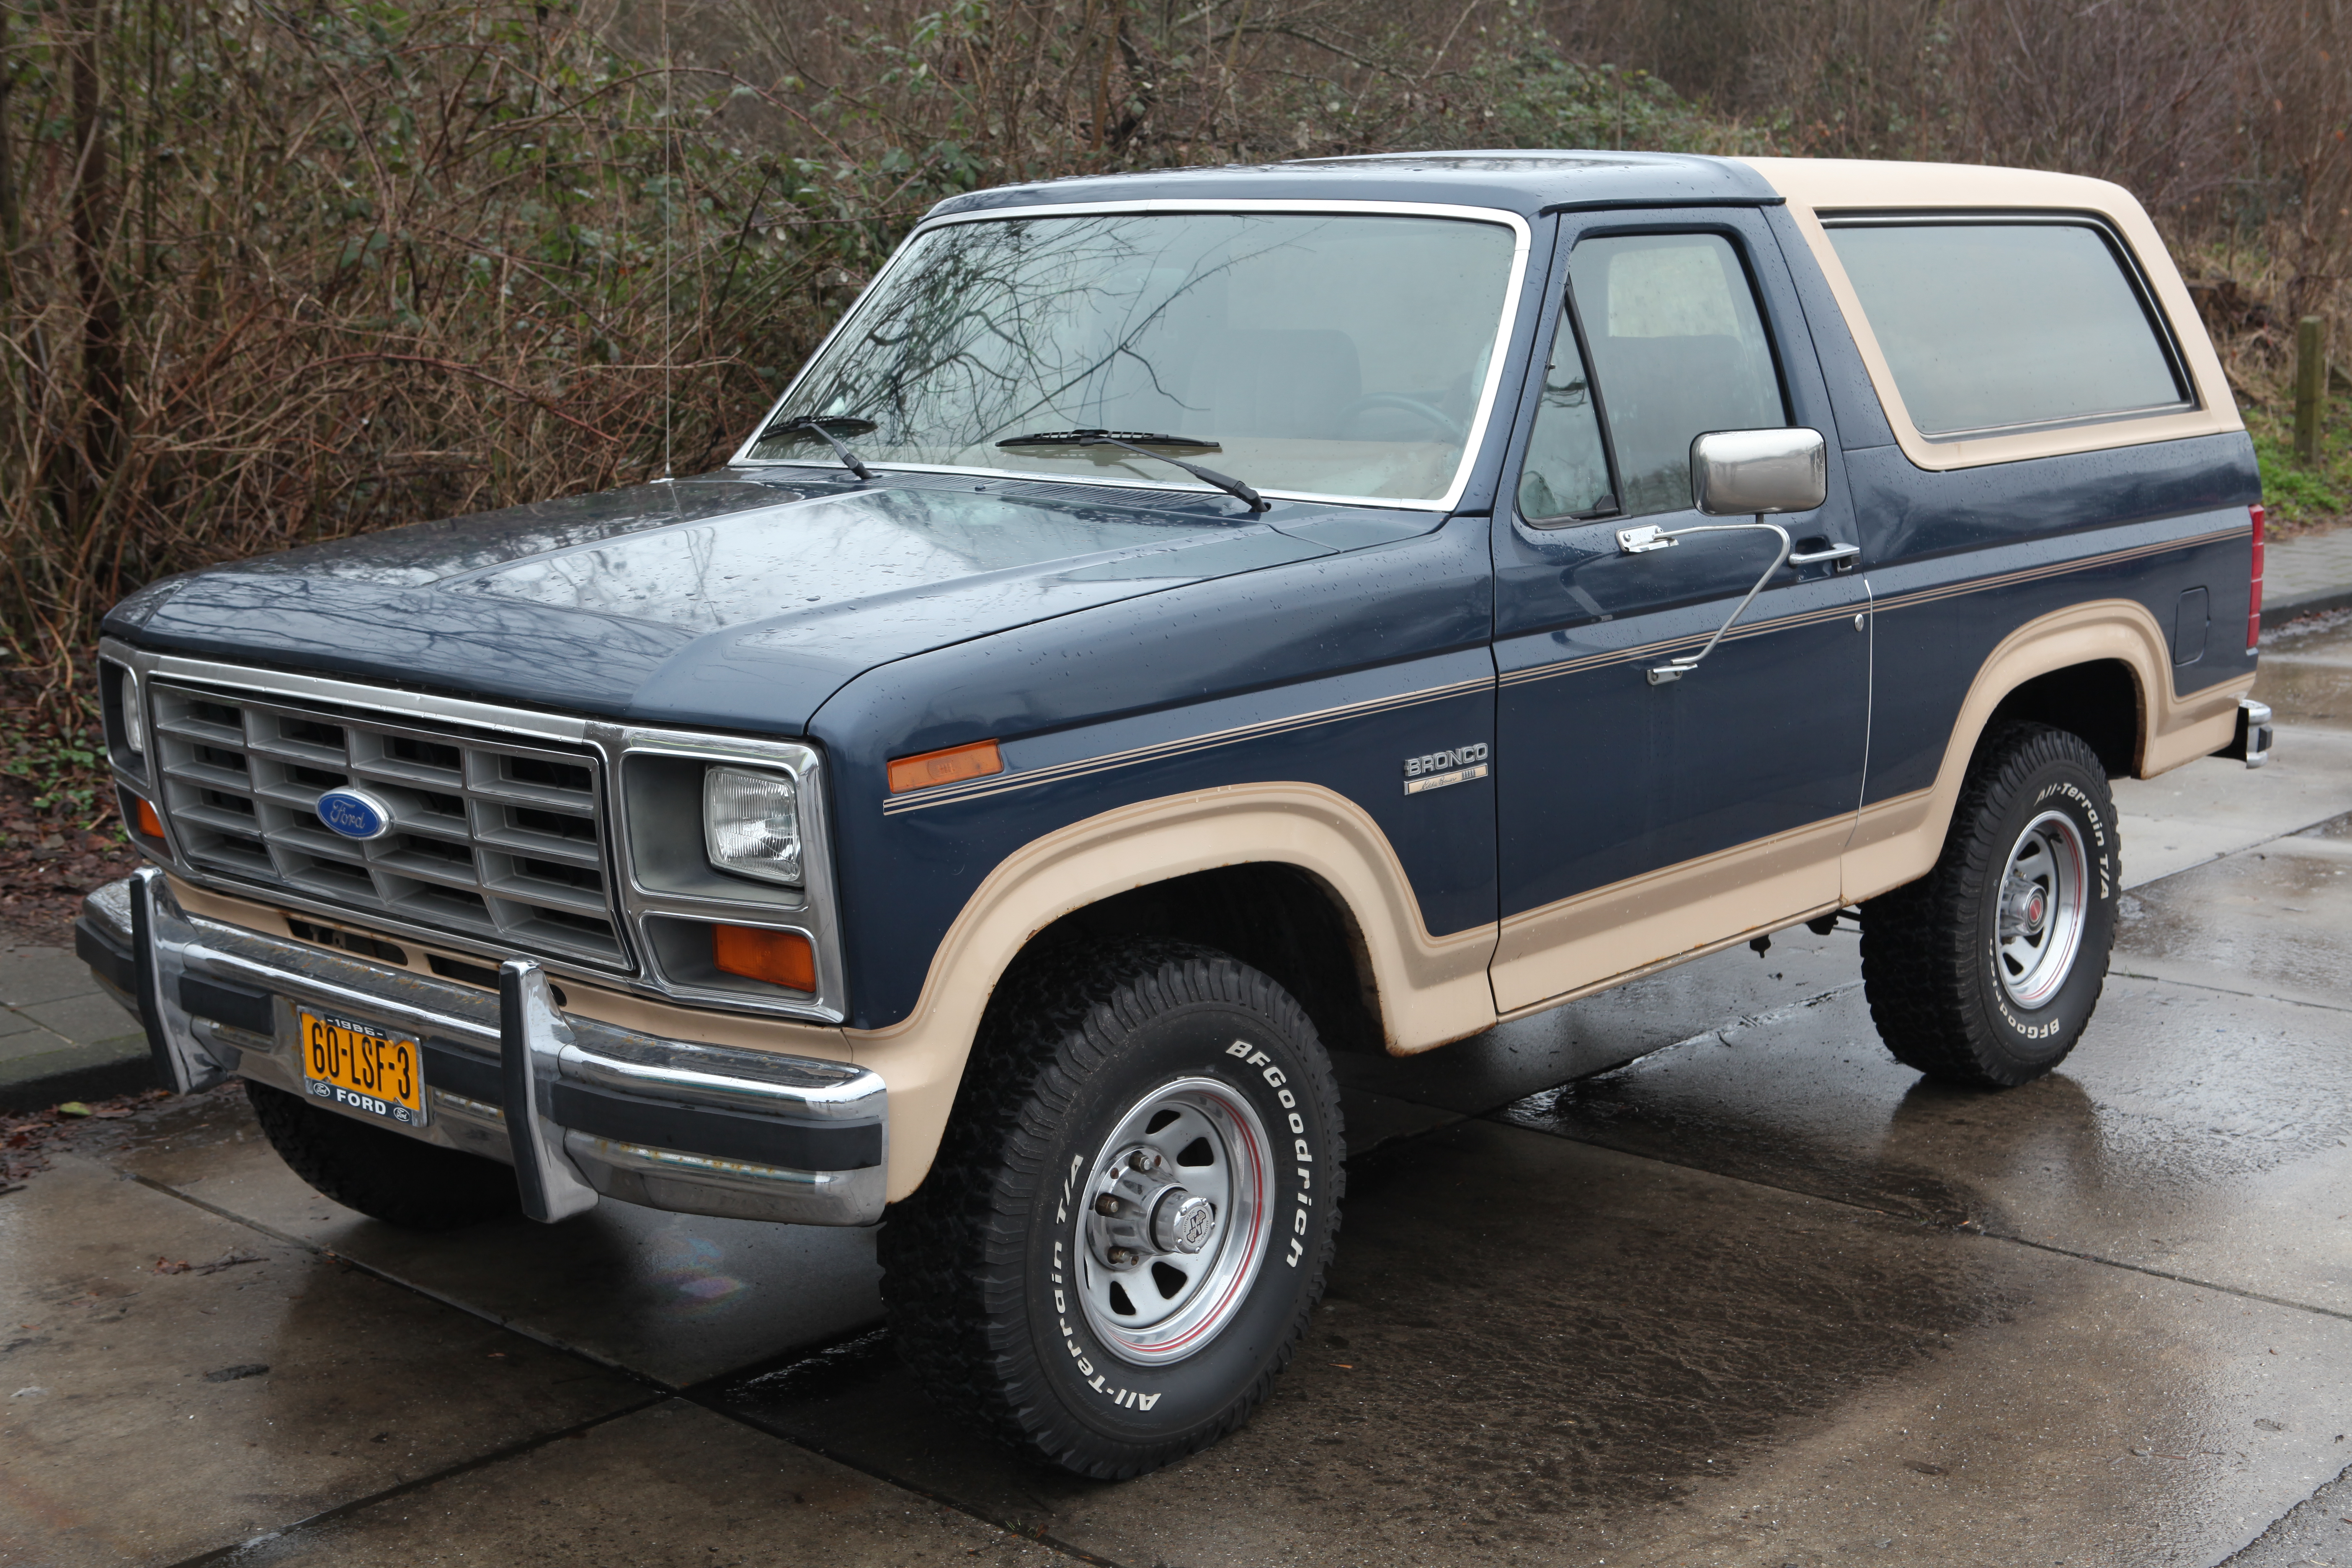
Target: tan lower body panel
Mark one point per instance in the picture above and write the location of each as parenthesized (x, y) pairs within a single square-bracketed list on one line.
[(1431, 989), (1897, 839), (1614, 934)]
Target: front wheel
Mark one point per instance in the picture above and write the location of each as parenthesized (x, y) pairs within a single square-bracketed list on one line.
[(1127, 1225), (1985, 971), (385, 1176)]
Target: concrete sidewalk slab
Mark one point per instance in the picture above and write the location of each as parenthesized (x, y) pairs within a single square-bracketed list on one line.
[(675, 1298), (61, 1036), (43, 1070), (2276, 923), (30, 975), (1534, 1351), (666, 1488), (150, 1414), (2211, 807), (2193, 1133), (2309, 573)]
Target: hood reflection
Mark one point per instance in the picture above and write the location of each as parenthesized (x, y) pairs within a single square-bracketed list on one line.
[(776, 560)]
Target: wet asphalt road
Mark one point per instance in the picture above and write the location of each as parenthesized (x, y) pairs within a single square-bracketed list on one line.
[(1757, 1296)]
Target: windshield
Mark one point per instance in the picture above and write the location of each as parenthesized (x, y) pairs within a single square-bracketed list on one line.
[(1339, 355)]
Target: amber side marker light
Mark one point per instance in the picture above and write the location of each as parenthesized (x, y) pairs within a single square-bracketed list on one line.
[(149, 823), (782, 958), (975, 761)]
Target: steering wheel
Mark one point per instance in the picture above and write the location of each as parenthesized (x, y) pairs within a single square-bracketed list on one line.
[(1430, 412)]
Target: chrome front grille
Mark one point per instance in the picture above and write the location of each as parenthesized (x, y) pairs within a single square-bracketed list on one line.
[(494, 839)]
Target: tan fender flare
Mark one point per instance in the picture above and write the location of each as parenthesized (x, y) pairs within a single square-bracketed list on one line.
[(1430, 989), (1897, 840)]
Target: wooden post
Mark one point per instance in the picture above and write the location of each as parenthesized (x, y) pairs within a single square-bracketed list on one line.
[(2310, 383)]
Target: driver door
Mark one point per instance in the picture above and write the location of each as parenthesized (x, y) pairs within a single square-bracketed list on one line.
[(1642, 822)]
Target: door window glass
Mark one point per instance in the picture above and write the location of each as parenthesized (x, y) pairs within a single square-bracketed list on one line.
[(1678, 348), (1567, 471), (1990, 326)]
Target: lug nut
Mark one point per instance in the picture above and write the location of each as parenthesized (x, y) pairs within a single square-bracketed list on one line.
[(1120, 1256), (1105, 1205), (1143, 1160)]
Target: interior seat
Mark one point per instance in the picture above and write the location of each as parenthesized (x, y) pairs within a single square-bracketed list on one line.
[(1292, 383)]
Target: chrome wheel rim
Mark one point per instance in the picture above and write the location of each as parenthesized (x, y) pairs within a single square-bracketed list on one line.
[(2043, 895), (1173, 1223)]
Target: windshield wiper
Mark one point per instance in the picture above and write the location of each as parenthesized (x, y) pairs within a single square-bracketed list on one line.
[(816, 425), (1140, 443)]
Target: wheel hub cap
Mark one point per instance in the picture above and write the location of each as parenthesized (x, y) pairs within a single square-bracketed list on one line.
[(2044, 898), (1175, 1224), (1182, 1222)]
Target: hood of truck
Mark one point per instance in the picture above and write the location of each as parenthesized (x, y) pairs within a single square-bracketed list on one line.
[(733, 602)]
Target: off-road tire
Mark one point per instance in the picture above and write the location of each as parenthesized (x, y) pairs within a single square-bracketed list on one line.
[(1929, 950), (385, 1175), (1072, 1041)]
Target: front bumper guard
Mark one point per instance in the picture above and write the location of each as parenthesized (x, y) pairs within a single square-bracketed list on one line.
[(582, 1108)]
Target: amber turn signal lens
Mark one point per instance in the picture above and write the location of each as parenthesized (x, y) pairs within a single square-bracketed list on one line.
[(782, 958), (149, 823), (975, 761)]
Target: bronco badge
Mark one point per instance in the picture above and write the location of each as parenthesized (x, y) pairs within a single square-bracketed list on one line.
[(1438, 768)]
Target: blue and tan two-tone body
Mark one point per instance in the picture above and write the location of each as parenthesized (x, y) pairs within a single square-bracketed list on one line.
[(1437, 715)]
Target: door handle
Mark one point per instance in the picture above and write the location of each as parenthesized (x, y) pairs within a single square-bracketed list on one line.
[(1836, 553)]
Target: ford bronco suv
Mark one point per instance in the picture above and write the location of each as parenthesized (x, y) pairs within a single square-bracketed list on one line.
[(1176, 626)]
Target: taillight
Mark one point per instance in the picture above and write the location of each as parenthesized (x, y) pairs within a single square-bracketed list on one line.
[(2254, 598)]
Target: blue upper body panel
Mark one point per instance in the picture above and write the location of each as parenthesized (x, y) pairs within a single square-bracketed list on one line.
[(727, 602)]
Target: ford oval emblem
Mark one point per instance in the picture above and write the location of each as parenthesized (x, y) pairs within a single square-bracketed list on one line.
[(354, 814)]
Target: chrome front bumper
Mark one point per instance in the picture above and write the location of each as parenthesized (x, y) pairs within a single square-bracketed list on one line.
[(581, 1109)]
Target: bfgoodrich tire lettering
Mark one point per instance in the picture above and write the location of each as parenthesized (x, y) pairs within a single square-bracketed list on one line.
[(984, 1266), (1985, 971)]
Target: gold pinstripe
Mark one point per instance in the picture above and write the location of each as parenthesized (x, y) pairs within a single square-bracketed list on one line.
[(1004, 783), (2052, 569), (1916, 597), (1651, 650)]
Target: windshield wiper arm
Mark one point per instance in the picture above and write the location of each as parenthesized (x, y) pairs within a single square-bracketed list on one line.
[(815, 424), (1133, 441)]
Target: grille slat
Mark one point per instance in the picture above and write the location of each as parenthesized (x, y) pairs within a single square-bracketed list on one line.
[(495, 839)]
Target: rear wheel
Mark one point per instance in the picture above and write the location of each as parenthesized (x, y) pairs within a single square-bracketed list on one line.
[(1985, 971), (1127, 1224), (385, 1175)]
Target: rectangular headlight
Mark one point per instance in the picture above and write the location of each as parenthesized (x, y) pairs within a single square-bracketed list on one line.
[(751, 822), (129, 719)]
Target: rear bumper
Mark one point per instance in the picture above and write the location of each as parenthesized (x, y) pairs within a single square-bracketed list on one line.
[(2251, 744), (582, 1108)]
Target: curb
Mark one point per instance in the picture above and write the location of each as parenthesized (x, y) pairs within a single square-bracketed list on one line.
[(2276, 615), (97, 1072)]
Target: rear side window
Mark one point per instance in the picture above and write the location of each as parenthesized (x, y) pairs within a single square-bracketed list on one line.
[(1998, 326)]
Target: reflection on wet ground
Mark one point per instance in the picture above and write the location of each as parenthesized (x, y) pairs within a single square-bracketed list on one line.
[(2306, 671), (1688, 1273), (670, 1297)]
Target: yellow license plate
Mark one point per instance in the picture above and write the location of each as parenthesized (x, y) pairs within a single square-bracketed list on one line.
[(362, 1070)]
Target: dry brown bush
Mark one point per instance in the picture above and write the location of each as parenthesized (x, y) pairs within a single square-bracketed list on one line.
[(276, 271)]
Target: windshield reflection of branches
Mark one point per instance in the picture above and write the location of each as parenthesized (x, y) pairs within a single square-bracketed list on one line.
[(1338, 354), (1003, 326)]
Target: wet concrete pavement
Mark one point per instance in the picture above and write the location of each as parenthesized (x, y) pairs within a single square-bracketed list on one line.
[(1757, 1296)]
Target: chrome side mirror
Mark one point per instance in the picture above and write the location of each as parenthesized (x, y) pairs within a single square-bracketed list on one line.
[(1747, 472)]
